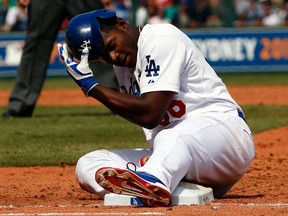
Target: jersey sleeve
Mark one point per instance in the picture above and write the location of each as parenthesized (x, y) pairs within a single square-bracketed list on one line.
[(162, 61)]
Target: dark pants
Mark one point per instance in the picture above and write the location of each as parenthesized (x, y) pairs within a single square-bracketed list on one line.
[(45, 19)]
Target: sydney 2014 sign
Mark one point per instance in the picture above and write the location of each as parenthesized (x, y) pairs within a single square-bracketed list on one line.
[(244, 49)]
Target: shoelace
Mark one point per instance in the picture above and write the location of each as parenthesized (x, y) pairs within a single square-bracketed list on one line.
[(128, 166)]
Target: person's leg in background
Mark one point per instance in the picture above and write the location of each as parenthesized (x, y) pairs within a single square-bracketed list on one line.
[(45, 18)]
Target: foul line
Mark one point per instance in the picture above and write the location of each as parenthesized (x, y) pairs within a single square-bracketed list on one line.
[(254, 204), (46, 206), (93, 205), (68, 213)]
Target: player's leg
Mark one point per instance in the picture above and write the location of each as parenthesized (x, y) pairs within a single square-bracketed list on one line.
[(88, 164), (212, 150), (227, 151)]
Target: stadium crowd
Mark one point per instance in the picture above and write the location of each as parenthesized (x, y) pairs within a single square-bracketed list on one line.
[(181, 13), (214, 13)]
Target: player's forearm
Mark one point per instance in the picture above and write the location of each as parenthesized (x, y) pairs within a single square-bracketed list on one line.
[(130, 107)]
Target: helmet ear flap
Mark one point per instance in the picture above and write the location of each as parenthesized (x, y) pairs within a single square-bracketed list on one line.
[(84, 31)]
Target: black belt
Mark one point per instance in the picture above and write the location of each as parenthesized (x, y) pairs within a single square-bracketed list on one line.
[(241, 115)]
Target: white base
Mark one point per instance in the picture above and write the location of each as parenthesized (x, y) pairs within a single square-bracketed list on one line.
[(184, 194)]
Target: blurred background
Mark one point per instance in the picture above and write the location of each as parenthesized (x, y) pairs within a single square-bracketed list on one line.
[(235, 36)]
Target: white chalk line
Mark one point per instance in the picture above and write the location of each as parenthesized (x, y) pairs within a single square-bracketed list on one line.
[(98, 205), (255, 204), (68, 213), (272, 205), (48, 206)]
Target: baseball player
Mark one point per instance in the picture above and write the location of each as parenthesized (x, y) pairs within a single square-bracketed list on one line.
[(196, 132)]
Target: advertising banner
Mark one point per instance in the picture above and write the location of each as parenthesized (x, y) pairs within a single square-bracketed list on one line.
[(227, 50), (11, 48), (244, 50)]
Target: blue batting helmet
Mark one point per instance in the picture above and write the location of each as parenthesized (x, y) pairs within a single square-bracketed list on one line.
[(84, 31)]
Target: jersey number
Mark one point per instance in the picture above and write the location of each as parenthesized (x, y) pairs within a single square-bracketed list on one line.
[(176, 109)]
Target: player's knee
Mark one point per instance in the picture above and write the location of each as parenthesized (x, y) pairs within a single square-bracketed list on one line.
[(86, 168), (88, 164), (82, 175)]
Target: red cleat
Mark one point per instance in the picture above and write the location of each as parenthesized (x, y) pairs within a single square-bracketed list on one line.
[(149, 189)]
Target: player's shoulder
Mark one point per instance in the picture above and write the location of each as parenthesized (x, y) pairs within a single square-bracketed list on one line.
[(159, 32), (159, 26), (161, 29)]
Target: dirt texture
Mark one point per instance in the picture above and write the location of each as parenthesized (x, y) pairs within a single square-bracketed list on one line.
[(55, 191)]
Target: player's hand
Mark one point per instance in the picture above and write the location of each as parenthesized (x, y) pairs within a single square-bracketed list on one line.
[(80, 72)]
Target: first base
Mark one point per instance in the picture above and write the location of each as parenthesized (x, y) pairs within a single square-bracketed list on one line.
[(184, 194)]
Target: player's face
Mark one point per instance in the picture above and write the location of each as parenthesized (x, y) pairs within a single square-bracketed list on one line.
[(121, 48)]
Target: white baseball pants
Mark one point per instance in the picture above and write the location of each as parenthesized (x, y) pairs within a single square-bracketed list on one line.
[(211, 149)]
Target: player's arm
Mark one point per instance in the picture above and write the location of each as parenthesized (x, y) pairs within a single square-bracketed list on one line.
[(146, 111)]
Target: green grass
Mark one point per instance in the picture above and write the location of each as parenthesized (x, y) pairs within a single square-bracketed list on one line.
[(60, 135), (50, 82), (261, 118), (233, 79)]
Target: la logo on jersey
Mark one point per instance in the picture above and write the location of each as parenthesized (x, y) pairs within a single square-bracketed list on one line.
[(151, 69)]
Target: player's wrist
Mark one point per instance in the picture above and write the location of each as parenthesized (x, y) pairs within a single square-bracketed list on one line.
[(87, 93), (87, 84)]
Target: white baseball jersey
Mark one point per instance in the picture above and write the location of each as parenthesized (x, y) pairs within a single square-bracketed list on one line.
[(201, 138), (169, 61)]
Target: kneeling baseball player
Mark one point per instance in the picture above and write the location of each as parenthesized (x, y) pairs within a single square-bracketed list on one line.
[(195, 130)]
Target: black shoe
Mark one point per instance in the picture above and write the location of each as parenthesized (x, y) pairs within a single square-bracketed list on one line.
[(13, 114)]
